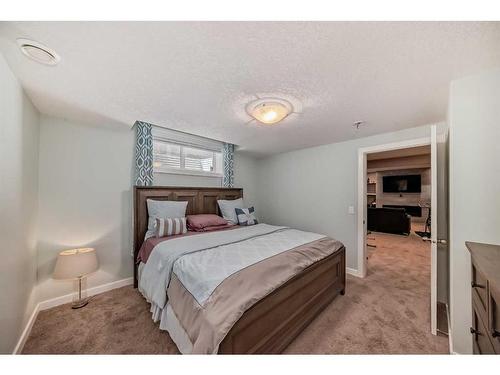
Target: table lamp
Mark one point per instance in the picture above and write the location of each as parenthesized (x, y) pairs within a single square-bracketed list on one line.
[(76, 264)]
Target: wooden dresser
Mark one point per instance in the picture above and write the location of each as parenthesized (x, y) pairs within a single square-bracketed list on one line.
[(485, 285)]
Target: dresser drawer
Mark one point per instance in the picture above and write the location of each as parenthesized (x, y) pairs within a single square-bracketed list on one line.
[(482, 343), (480, 308), (494, 319), (479, 286)]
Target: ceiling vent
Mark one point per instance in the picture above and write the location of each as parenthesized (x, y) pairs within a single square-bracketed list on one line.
[(38, 52)]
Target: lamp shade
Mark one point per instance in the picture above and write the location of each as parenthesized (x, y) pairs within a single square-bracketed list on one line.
[(75, 263)]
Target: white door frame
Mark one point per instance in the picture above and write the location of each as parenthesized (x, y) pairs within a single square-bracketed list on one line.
[(425, 141), (434, 229)]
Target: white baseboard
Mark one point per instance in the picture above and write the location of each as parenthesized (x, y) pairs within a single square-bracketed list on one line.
[(26, 332), (353, 272), (450, 339), (44, 305)]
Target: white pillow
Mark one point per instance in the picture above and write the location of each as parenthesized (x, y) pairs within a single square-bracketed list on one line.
[(163, 210), (228, 209)]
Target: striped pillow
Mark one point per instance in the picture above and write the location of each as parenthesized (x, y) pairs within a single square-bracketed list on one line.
[(170, 226)]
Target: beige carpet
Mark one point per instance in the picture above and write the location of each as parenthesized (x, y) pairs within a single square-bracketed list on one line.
[(387, 312)]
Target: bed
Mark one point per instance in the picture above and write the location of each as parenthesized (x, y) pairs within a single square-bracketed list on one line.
[(271, 318)]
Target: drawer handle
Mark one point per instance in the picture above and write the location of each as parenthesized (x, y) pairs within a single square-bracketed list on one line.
[(495, 333), (474, 285), (474, 331)]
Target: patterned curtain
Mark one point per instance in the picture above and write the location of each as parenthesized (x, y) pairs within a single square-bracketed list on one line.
[(143, 154), (228, 164)]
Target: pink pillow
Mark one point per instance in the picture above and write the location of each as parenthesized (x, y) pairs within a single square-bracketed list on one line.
[(199, 222), (216, 227)]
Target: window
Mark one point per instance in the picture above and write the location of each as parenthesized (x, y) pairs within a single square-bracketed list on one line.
[(171, 157)]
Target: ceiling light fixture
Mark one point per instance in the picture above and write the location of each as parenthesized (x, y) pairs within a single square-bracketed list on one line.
[(269, 110), (38, 52)]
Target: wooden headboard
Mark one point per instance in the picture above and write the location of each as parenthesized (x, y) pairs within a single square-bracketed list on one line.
[(200, 201)]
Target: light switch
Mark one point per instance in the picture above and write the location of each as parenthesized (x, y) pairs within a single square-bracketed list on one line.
[(351, 210)]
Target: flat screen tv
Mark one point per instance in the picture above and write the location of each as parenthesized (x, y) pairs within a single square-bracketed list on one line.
[(402, 184)]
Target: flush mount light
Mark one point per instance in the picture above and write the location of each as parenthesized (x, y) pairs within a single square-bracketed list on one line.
[(269, 110), (38, 52)]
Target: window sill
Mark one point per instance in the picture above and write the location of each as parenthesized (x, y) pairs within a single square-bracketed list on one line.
[(189, 173)]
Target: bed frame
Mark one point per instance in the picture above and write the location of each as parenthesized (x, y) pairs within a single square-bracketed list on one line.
[(273, 322)]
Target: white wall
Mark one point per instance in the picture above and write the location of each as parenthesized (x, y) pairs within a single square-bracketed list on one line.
[(86, 178), (18, 206), (474, 115), (85, 194), (311, 189)]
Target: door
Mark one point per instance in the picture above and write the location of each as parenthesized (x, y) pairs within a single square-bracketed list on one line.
[(439, 226)]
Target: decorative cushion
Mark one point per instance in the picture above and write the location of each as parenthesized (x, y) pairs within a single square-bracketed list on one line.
[(215, 227), (170, 226), (227, 208), (163, 210), (199, 222), (246, 216)]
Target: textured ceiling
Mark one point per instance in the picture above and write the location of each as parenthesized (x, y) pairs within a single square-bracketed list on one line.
[(198, 76)]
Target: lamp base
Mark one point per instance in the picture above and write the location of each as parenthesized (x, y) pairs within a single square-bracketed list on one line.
[(80, 303)]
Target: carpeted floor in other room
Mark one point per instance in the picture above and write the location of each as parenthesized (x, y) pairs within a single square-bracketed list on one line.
[(388, 312)]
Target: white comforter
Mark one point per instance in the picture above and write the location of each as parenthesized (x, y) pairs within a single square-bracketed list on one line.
[(203, 261)]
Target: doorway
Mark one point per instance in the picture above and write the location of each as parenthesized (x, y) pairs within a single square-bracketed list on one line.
[(397, 207)]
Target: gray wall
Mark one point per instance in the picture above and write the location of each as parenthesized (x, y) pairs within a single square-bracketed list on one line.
[(246, 176), (311, 189), (86, 178), (18, 207), (474, 115)]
